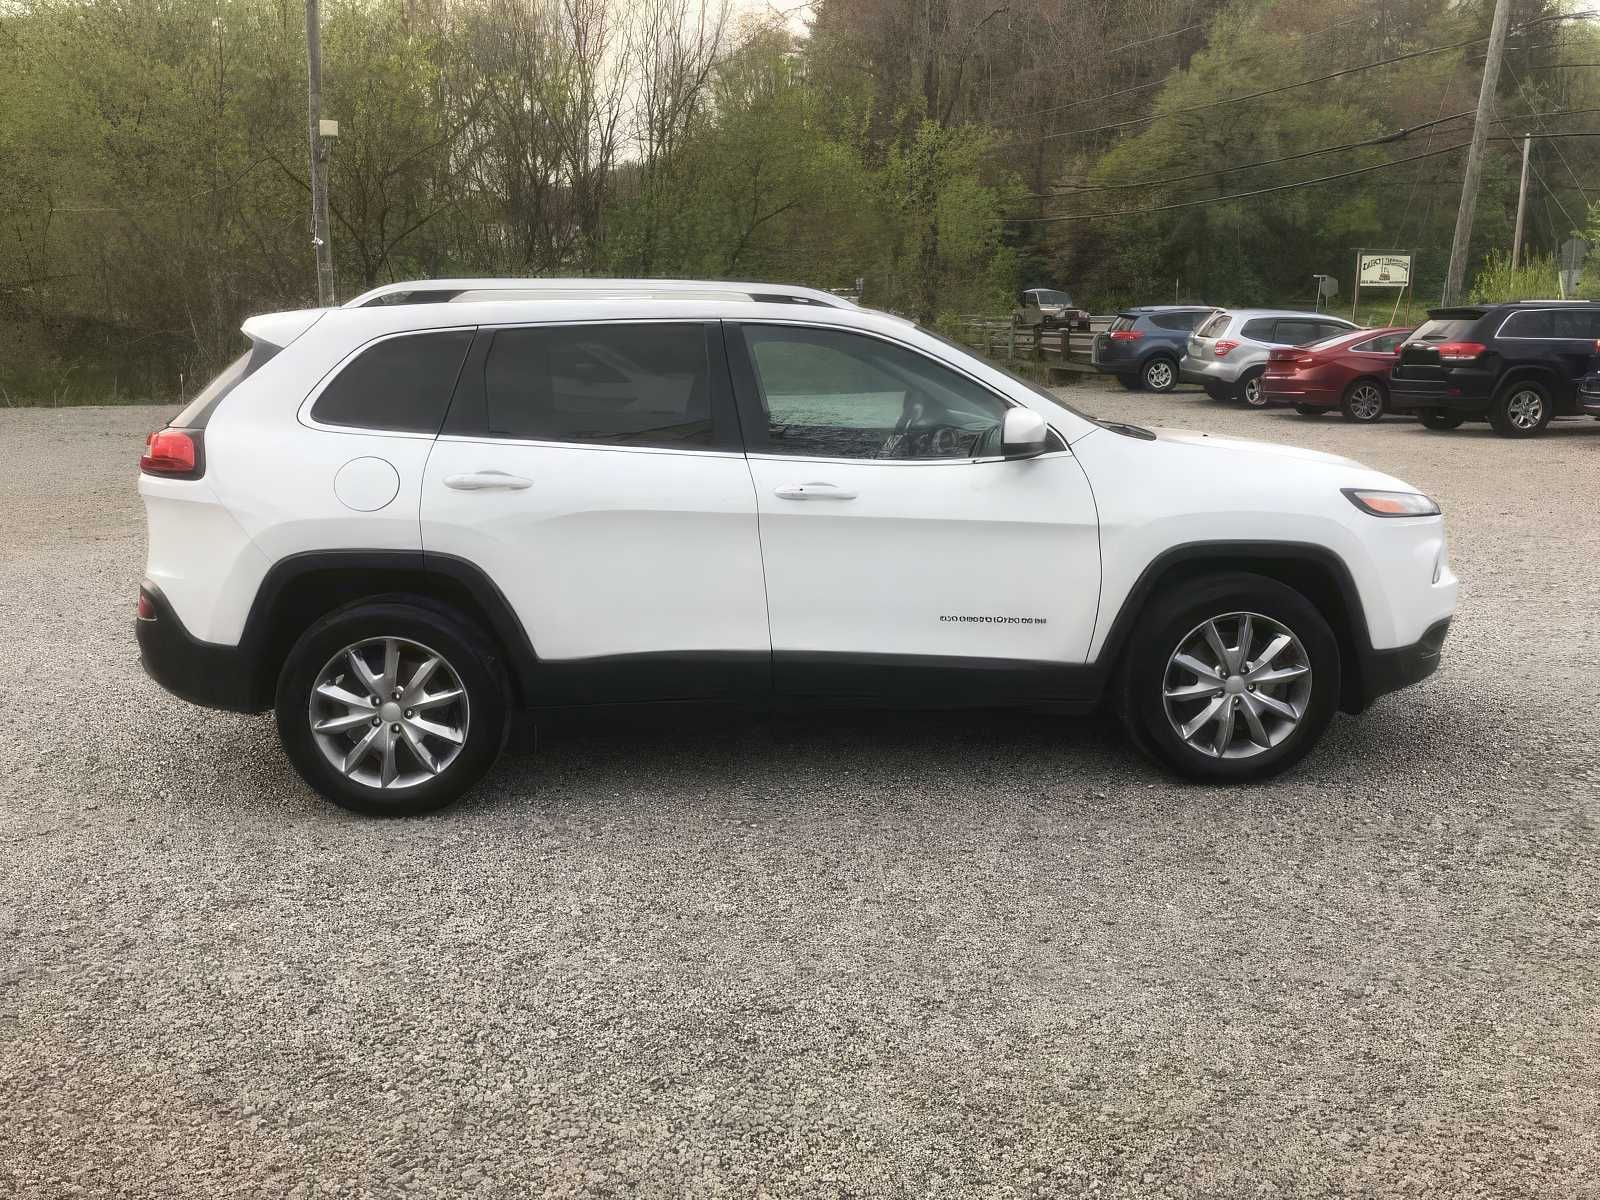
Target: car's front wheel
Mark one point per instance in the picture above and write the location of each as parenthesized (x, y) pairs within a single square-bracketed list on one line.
[(391, 707), (1231, 677), (1160, 374)]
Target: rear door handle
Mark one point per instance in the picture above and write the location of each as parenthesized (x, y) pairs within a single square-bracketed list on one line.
[(483, 481), (813, 491)]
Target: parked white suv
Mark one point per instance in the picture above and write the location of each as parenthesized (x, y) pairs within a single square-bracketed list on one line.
[(397, 523), (1228, 354)]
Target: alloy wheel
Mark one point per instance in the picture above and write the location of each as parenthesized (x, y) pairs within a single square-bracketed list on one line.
[(1158, 375), (1525, 409), (389, 713), (1237, 685), (1366, 402), (1252, 392)]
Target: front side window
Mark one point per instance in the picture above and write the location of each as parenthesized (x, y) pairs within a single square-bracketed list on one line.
[(1298, 333), (401, 384), (832, 394), (611, 384)]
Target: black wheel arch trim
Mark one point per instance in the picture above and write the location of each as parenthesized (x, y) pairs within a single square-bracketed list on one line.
[(1359, 679)]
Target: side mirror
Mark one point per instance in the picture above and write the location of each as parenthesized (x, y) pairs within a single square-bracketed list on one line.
[(1023, 433)]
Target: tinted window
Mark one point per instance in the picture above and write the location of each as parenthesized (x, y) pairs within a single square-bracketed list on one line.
[(1448, 329), (1299, 333), (401, 383), (1327, 329), (1121, 323), (621, 384), (1260, 329), (1215, 326), (832, 394), (1540, 323), (1182, 321)]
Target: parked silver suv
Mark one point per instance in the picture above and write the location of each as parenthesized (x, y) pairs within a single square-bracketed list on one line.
[(1228, 354)]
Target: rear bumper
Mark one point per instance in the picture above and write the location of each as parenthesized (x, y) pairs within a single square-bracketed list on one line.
[(1293, 391), (1193, 370), (1384, 671), (1457, 390), (200, 672)]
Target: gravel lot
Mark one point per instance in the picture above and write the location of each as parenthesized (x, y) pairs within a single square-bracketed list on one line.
[(863, 955)]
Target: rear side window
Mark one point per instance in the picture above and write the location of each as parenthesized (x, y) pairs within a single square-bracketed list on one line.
[(1216, 326), (1300, 333), (620, 384), (1260, 329), (402, 384), (1570, 323), (1182, 321)]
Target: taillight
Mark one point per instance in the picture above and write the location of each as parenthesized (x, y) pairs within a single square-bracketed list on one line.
[(1459, 351), (1224, 346), (1126, 335), (172, 452)]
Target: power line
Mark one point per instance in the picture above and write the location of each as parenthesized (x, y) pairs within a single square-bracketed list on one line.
[(1280, 187), (1523, 92), (1211, 104)]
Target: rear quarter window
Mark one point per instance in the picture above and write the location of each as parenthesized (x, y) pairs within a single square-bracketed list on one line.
[(401, 384), (1216, 326), (1260, 329)]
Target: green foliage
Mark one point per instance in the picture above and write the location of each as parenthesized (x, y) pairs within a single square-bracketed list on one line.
[(1497, 280)]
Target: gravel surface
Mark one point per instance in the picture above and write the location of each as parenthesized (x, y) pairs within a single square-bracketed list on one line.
[(863, 955)]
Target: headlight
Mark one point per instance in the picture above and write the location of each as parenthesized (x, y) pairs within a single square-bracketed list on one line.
[(1391, 504)]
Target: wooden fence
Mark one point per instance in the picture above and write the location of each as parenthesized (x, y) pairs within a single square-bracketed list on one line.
[(1066, 351)]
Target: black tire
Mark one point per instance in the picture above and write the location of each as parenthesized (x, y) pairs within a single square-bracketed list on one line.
[(1249, 388), (1365, 401), (1159, 374), (1521, 409), (428, 627), (1219, 391), (1132, 382), (1439, 419), (1168, 624), (1309, 410)]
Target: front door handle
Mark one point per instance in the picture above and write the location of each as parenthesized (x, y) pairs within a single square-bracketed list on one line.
[(483, 481), (813, 491)]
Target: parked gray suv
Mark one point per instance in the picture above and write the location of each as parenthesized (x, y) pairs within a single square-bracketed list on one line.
[(1143, 346), (1228, 354)]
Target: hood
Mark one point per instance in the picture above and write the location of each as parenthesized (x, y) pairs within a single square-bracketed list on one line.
[(1191, 437)]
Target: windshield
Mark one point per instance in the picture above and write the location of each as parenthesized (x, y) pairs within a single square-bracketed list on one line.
[(1046, 296)]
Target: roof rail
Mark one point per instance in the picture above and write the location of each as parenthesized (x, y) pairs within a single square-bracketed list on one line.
[(444, 291)]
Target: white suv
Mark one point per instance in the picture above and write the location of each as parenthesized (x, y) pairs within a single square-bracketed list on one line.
[(400, 521)]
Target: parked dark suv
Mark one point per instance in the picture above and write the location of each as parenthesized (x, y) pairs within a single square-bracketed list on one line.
[(1515, 364), (1144, 345)]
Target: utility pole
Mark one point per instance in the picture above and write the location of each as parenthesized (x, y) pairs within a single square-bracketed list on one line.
[(1457, 272), (319, 157), (1522, 202)]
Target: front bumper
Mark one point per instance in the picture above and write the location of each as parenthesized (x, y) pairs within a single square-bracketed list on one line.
[(200, 672), (1384, 671)]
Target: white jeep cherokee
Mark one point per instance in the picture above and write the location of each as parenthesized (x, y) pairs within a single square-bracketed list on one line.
[(399, 521)]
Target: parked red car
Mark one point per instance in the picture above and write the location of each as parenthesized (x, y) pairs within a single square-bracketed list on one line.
[(1349, 372)]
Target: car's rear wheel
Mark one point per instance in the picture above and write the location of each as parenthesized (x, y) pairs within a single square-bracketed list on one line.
[(1364, 401), (1521, 410), (1232, 677), (1439, 419), (1309, 410), (1251, 391), (1160, 374), (391, 707)]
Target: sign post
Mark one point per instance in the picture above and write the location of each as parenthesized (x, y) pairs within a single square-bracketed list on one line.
[(1380, 269)]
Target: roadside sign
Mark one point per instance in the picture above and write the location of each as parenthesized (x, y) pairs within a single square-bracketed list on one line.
[(1384, 269)]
